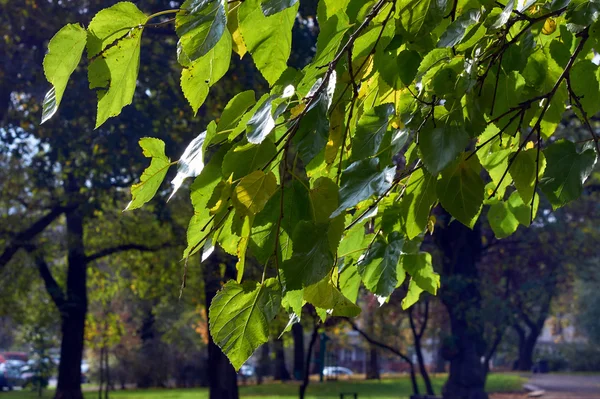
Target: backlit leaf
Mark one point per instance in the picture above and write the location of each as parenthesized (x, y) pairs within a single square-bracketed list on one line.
[(360, 181), (566, 171), (64, 53), (113, 46), (154, 174), (200, 25), (240, 315)]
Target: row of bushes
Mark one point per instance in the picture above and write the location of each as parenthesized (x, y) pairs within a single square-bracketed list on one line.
[(571, 357)]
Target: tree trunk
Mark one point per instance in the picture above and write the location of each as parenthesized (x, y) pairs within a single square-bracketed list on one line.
[(145, 376), (311, 346), (373, 364), (417, 336), (222, 378), (372, 372), (298, 335), (73, 312), (461, 249), (263, 364), (526, 348), (280, 373)]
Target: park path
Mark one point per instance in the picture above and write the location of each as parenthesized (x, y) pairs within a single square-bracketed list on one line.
[(561, 386)]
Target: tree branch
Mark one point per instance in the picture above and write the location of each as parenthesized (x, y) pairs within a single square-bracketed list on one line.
[(52, 287), (389, 348), (122, 248), (21, 239)]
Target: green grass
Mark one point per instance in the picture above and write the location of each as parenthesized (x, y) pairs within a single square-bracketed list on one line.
[(385, 389)]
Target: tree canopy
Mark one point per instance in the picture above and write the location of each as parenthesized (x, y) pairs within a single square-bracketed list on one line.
[(329, 179)]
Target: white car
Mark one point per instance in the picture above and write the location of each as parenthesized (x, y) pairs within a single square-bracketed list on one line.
[(336, 371)]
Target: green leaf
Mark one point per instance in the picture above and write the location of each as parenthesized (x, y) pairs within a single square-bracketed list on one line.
[(417, 15), (566, 171), (504, 15), (461, 190), (441, 145), (294, 301), (502, 221), (113, 47), (349, 282), (324, 199), (154, 174), (361, 180), (200, 25), (313, 132), (253, 191), (494, 156), (205, 71), (64, 53), (435, 57), (239, 317), (325, 296), (408, 62), (420, 268), (416, 204), (583, 13), (270, 7), (244, 158), (521, 210), (262, 121), (523, 170), (235, 109), (333, 25), (378, 267), (370, 131), (456, 31), (311, 259), (201, 192), (585, 85), (268, 39), (412, 296)]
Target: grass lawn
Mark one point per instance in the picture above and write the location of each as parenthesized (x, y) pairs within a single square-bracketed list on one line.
[(395, 388)]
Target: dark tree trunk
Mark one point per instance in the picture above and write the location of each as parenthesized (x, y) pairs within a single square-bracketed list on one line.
[(461, 250), (526, 348), (417, 336), (263, 364), (373, 364), (222, 378), (280, 373), (73, 313), (146, 375), (372, 372), (298, 335), (311, 346)]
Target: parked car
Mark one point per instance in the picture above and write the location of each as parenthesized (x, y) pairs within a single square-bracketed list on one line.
[(85, 369), (247, 371), (10, 374), (336, 371), (22, 356)]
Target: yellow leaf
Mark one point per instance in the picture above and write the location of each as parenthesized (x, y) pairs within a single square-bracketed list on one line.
[(335, 136), (238, 41), (529, 145), (549, 26), (253, 191)]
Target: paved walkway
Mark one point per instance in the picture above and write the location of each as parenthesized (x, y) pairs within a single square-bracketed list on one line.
[(562, 386), (568, 385)]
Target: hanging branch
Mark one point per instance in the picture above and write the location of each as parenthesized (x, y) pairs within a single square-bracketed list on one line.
[(524, 106), (395, 351), (576, 102)]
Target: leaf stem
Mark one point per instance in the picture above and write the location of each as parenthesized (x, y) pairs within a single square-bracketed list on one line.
[(165, 12)]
